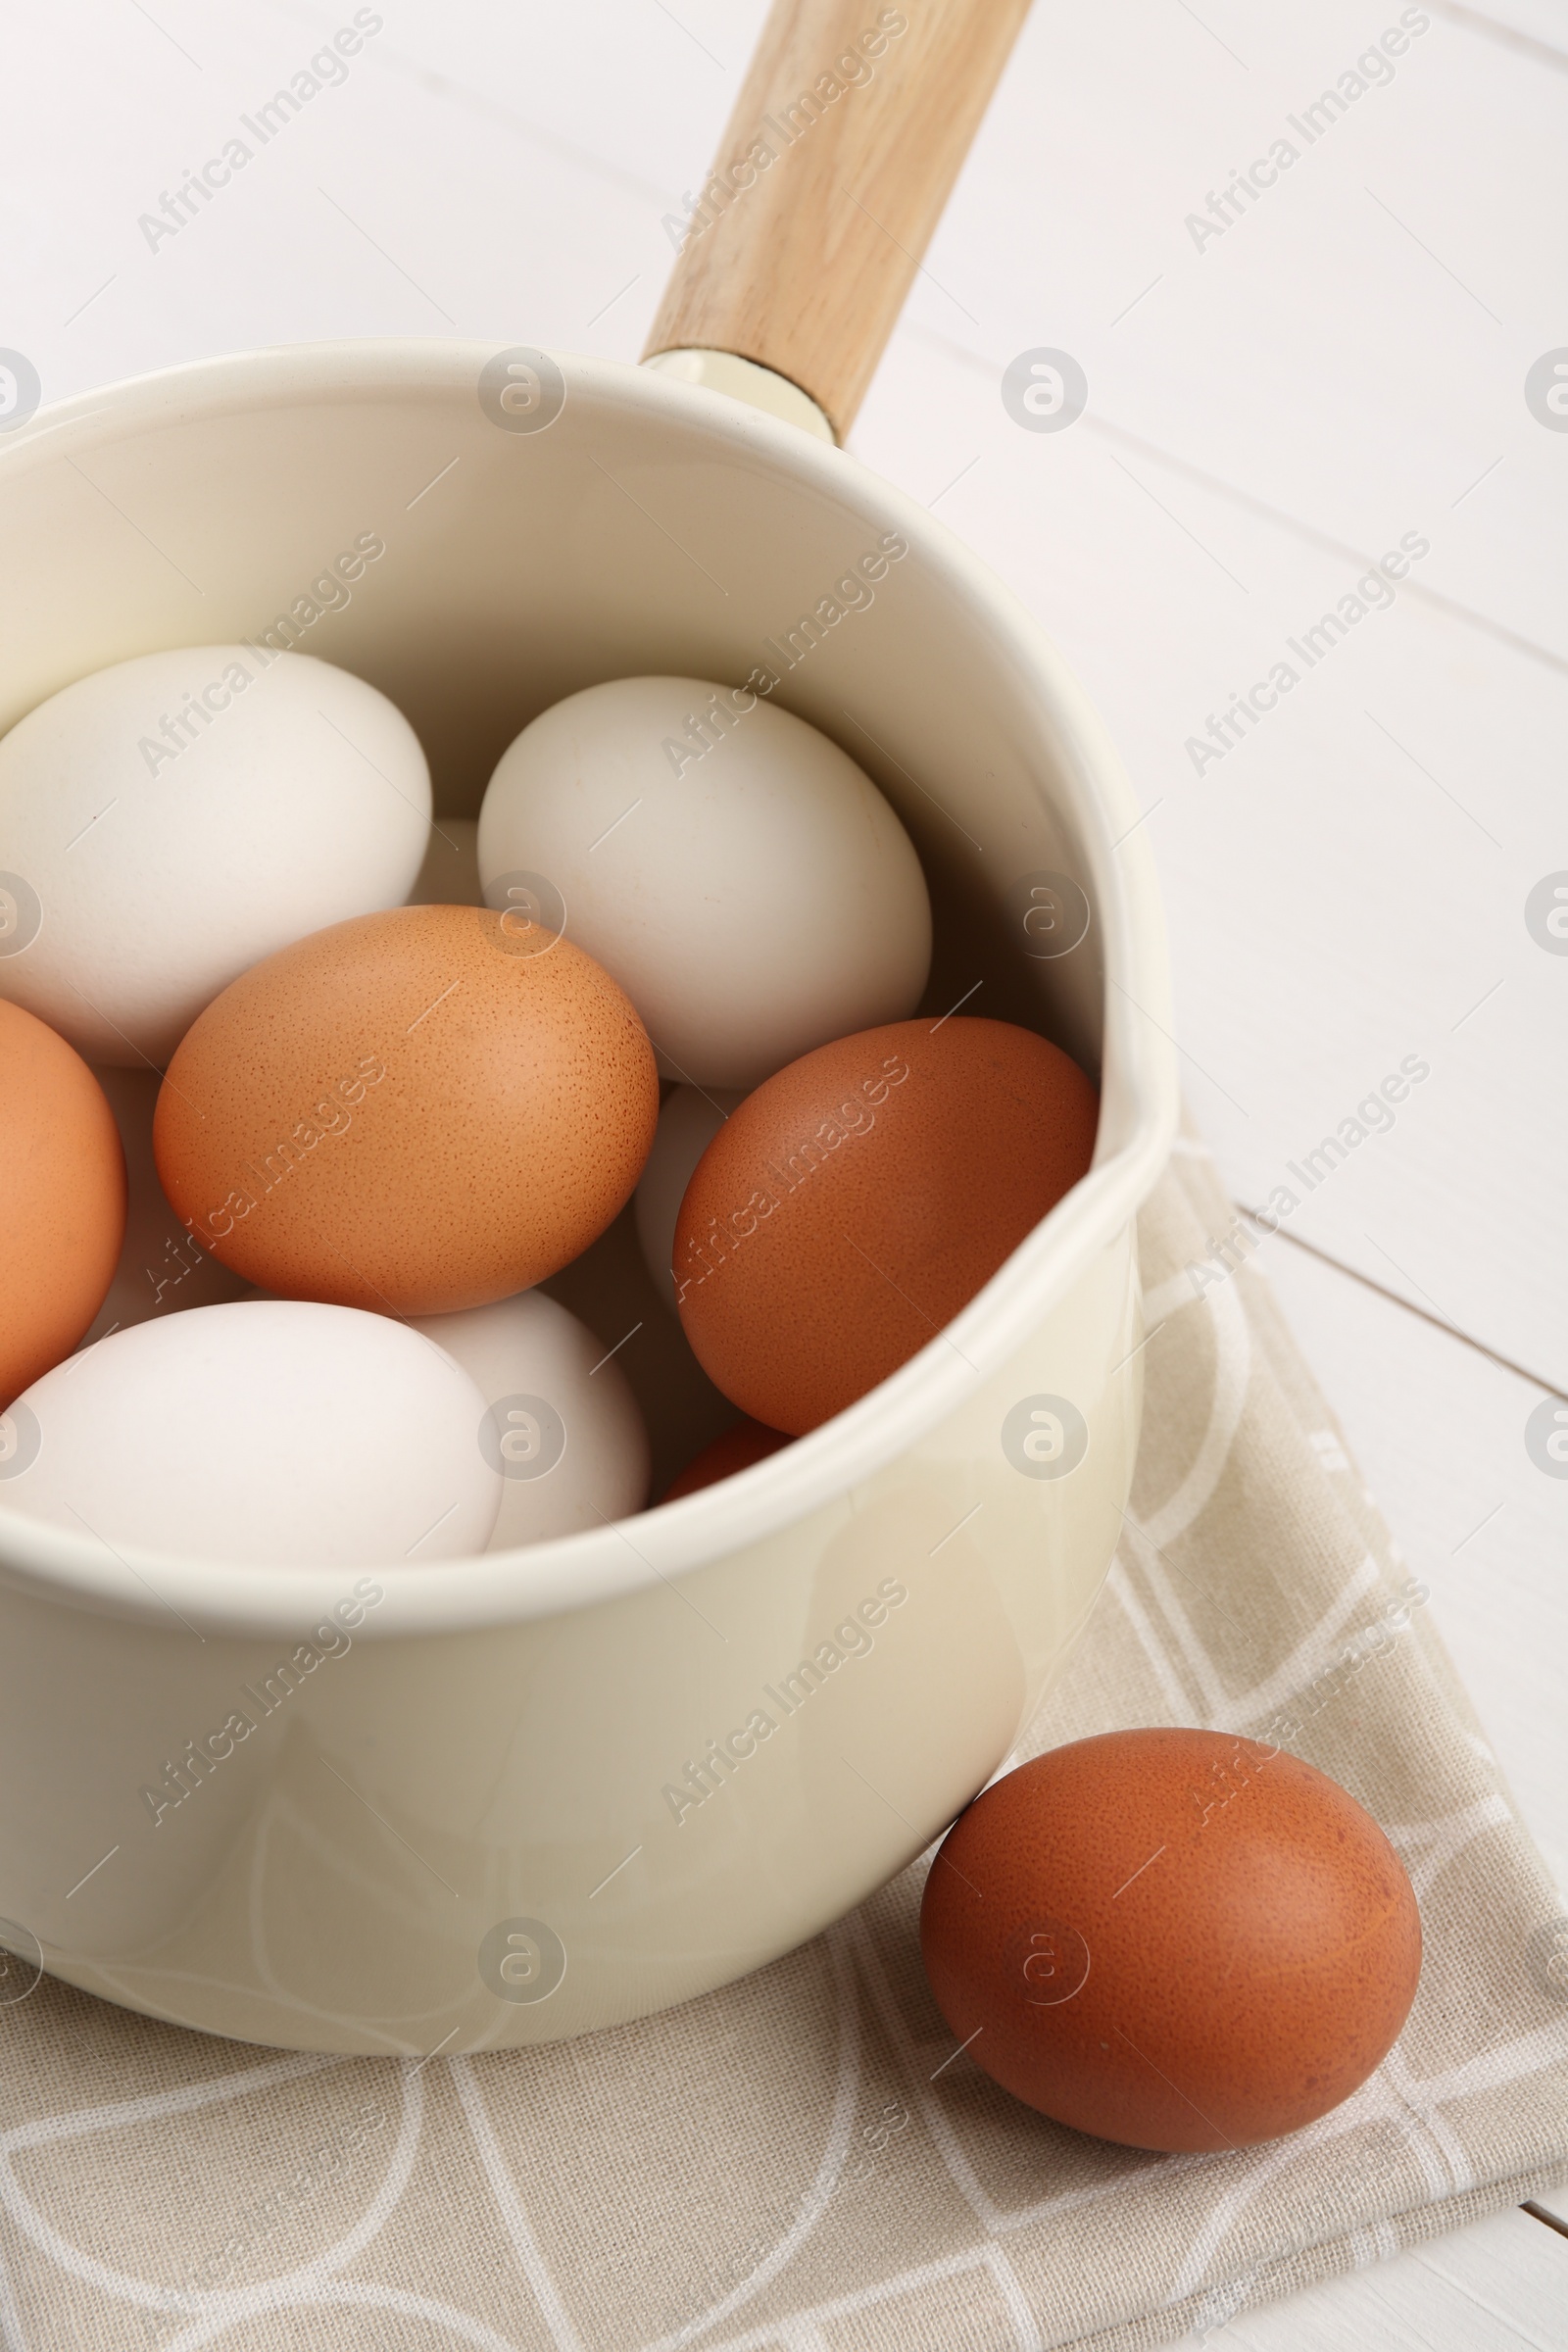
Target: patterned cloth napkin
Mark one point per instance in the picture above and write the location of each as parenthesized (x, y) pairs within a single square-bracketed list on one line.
[(799, 2162)]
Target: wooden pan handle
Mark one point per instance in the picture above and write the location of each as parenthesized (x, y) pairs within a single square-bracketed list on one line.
[(832, 173)]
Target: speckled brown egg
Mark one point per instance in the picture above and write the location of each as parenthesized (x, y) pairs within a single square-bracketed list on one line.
[(1172, 1938), (861, 1197), (61, 1199), (414, 1111), (735, 1448)]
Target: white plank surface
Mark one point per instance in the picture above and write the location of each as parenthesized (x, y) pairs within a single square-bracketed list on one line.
[(1332, 910), (1498, 2287), (1273, 411), (1436, 1431), (1538, 27), (1352, 348)]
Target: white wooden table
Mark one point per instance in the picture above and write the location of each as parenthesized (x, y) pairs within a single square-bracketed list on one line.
[(1276, 398)]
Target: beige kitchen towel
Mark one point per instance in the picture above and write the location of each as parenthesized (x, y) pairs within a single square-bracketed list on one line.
[(800, 2162)]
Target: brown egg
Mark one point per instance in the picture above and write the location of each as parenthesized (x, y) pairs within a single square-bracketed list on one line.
[(1172, 1938), (61, 1199), (859, 1198), (733, 1449), (414, 1111)]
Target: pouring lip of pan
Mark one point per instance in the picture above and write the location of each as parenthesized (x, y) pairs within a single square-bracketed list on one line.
[(1139, 1091)]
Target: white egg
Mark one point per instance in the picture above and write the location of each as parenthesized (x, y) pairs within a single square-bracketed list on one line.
[(688, 1122), (162, 1267), (565, 1425), (165, 824), (746, 883), (271, 1430)]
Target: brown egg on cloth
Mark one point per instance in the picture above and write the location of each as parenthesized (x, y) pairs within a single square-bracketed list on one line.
[(734, 1448), (1172, 1938), (62, 1203), (413, 1112), (861, 1197)]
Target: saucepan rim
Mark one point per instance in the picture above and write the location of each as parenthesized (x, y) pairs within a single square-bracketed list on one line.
[(1139, 1073)]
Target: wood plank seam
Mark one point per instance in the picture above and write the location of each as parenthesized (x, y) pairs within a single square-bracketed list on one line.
[(1326, 1258), (1250, 503), (1507, 36)]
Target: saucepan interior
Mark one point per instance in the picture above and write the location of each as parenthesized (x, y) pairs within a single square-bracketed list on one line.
[(394, 510)]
